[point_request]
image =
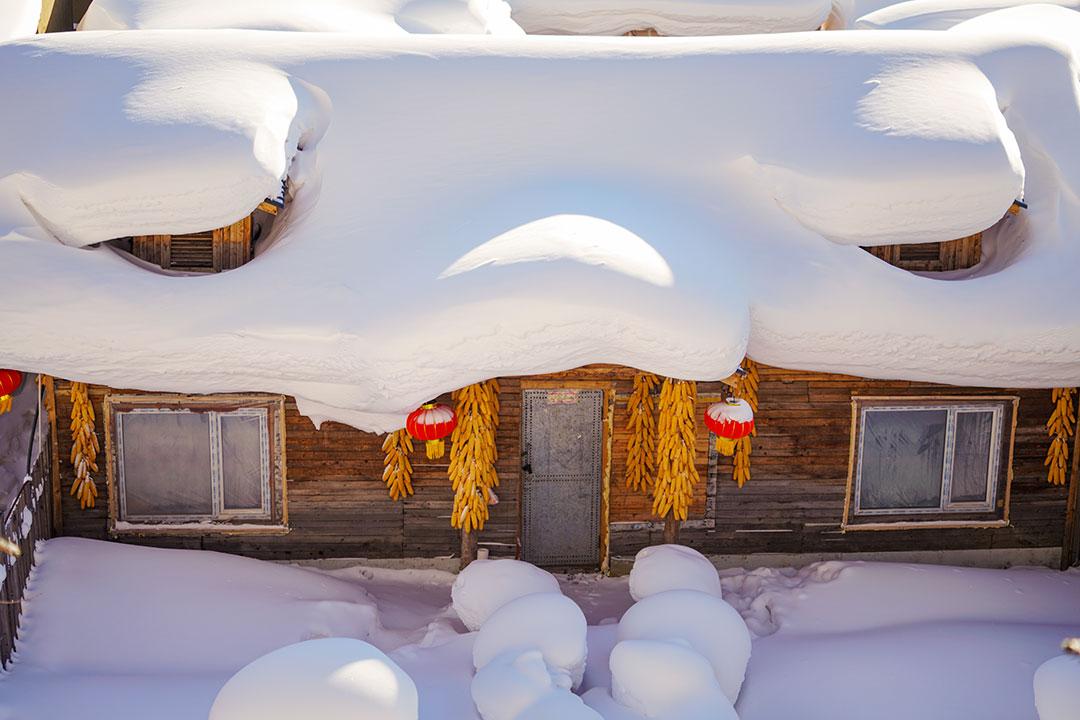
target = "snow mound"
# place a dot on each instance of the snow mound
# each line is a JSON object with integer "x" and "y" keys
{"x": 233, "y": 597}
{"x": 510, "y": 684}
{"x": 19, "y": 18}
{"x": 941, "y": 14}
{"x": 705, "y": 622}
{"x": 549, "y": 622}
{"x": 486, "y": 585}
{"x": 1057, "y": 688}
{"x": 661, "y": 679}
{"x": 328, "y": 679}
{"x": 672, "y": 567}
{"x": 600, "y": 700}
{"x": 560, "y": 706}
{"x": 371, "y": 17}
{"x": 669, "y": 17}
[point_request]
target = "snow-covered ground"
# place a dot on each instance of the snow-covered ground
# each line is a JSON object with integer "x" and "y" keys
{"x": 116, "y": 632}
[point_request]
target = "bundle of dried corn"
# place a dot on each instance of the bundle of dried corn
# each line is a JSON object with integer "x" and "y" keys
{"x": 676, "y": 471}
{"x": 1061, "y": 425}
{"x": 748, "y": 391}
{"x": 473, "y": 454}
{"x": 84, "y": 446}
{"x": 641, "y": 447}
{"x": 397, "y": 470}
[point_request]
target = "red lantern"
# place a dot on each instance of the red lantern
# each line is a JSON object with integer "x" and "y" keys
{"x": 432, "y": 422}
{"x": 10, "y": 380}
{"x": 730, "y": 421}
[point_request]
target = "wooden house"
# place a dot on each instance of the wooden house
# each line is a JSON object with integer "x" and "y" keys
{"x": 839, "y": 465}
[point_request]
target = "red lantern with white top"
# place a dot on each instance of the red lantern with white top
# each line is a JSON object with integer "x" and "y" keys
{"x": 730, "y": 421}
{"x": 431, "y": 422}
{"x": 10, "y": 380}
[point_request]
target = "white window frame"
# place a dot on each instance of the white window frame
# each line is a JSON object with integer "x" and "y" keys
{"x": 946, "y": 506}
{"x": 218, "y": 510}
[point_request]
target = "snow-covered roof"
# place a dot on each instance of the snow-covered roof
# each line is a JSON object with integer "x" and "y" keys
{"x": 371, "y": 17}
{"x": 577, "y": 17}
{"x": 464, "y": 209}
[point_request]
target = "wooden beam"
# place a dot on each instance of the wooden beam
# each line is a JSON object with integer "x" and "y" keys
{"x": 156, "y": 249}
{"x": 232, "y": 245}
{"x": 1070, "y": 543}
{"x": 56, "y": 487}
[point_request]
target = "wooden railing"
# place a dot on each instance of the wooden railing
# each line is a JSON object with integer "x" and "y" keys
{"x": 28, "y": 520}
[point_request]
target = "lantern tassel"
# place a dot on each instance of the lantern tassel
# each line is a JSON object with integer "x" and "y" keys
{"x": 725, "y": 446}
{"x": 435, "y": 449}
{"x": 5, "y": 404}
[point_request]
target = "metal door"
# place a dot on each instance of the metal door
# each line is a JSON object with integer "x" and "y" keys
{"x": 561, "y": 476}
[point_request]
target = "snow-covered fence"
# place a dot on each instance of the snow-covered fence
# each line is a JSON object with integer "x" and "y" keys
{"x": 28, "y": 520}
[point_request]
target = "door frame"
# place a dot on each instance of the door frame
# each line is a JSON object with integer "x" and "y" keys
{"x": 607, "y": 421}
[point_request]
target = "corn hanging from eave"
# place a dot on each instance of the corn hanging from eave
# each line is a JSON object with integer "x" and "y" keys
{"x": 84, "y": 446}
{"x": 641, "y": 422}
{"x": 1061, "y": 426}
{"x": 677, "y": 472}
{"x": 397, "y": 469}
{"x": 748, "y": 391}
{"x": 473, "y": 454}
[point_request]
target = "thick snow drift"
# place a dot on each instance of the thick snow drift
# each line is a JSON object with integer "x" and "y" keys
{"x": 941, "y": 14}
{"x": 548, "y": 622}
{"x": 669, "y": 17}
{"x": 451, "y": 221}
{"x": 19, "y": 18}
{"x": 1057, "y": 688}
{"x": 486, "y": 585}
{"x": 328, "y": 679}
{"x": 371, "y": 17}
{"x": 672, "y": 567}
{"x": 704, "y": 622}
{"x": 111, "y": 631}
{"x": 667, "y": 680}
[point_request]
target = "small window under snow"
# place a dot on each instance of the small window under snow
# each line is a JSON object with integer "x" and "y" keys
{"x": 189, "y": 462}
{"x": 930, "y": 460}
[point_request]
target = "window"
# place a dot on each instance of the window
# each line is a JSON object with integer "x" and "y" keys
{"x": 183, "y": 461}
{"x": 930, "y": 460}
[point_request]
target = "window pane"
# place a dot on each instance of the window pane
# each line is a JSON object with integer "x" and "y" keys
{"x": 903, "y": 452}
{"x": 241, "y": 461}
{"x": 971, "y": 464}
{"x": 167, "y": 463}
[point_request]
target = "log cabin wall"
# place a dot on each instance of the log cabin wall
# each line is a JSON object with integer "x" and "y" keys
{"x": 338, "y": 504}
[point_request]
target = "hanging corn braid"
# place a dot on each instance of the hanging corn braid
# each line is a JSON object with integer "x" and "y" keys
{"x": 84, "y": 446}
{"x": 1061, "y": 426}
{"x": 397, "y": 469}
{"x": 641, "y": 422}
{"x": 677, "y": 472}
{"x": 473, "y": 454}
{"x": 748, "y": 391}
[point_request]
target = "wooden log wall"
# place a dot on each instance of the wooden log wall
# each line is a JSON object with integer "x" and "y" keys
{"x": 794, "y": 500}
{"x": 338, "y": 504}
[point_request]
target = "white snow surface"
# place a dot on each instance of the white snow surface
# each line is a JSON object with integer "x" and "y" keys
{"x": 941, "y": 14}
{"x": 549, "y": 622}
{"x": 705, "y": 623}
{"x": 669, "y": 17}
{"x": 112, "y": 632}
{"x": 512, "y": 683}
{"x": 486, "y": 585}
{"x": 18, "y": 18}
{"x": 370, "y": 17}
{"x": 450, "y": 223}
{"x": 659, "y": 568}
{"x": 328, "y": 679}
{"x": 1057, "y": 688}
{"x": 658, "y": 679}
